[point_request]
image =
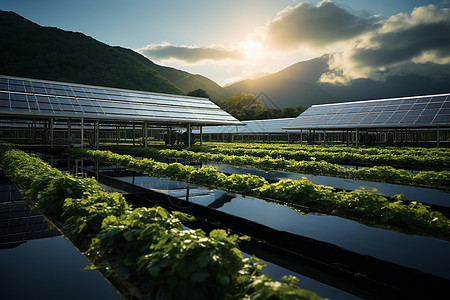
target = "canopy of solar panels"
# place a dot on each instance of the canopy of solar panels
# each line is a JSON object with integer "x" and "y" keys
{"x": 31, "y": 98}
{"x": 408, "y": 112}
{"x": 251, "y": 127}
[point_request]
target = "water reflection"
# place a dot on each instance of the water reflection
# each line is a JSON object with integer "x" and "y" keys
{"x": 424, "y": 195}
{"x": 392, "y": 246}
{"x": 36, "y": 263}
{"x": 19, "y": 223}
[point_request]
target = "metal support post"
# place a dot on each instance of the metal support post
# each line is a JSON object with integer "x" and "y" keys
{"x": 189, "y": 135}
{"x": 69, "y": 132}
{"x": 437, "y": 137}
{"x": 51, "y": 132}
{"x": 82, "y": 132}
{"x": 357, "y": 137}
{"x": 145, "y": 135}
{"x": 134, "y": 134}
{"x": 96, "y": 134}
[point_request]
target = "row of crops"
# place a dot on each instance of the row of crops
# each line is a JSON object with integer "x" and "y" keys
{"x": 337, "y": 148}
{"x": 364, "y": 206}
{"x": 147, "y": 249}
{"x": 155, "y": 249}
{"x": 435, "y": 179}
{"x": 407, "y": 158}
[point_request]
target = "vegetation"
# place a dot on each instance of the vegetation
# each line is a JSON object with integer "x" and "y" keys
{"x": 405, "y": 158}
{"x": 247, "y": 107}
{"x": 29, "y": 50}
{"x": 198, "y": 93}
{"x": 378, "y": 173}
{"x": 364, "y": 206}
{"x": 146, "y": 247}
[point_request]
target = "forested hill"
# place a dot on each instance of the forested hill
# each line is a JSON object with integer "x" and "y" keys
{"x": 30, "y": 50}
{"x": 183, "y": 80}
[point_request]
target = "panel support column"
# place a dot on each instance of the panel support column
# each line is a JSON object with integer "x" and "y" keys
{"x": 134, "y": 134}
{"x": 437, "y": 137}
{"x": 357, "y": 137}
{"x": 96, "y": 134}
{"x": 51, "y": 132}
{"x": 301, "y": 137}
{"x": 189, "y": 135}
{"x": 82, "y": 132}
{"x": 145, "y": 135}
{"x": 201, "y": 135}
{"x": 169, "y": 135}
{"x": 69, "y": 132}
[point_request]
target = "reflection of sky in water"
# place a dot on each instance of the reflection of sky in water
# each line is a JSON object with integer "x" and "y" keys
{"x": 50, "y": 269}
{"x": 412, "y": 193}
{"x": 323, "y": 290}
{"x": 427, "y": 254}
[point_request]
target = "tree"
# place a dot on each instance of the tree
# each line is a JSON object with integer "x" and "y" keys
{"x": 247, "y": 107}
{"x": 198, "y": 93}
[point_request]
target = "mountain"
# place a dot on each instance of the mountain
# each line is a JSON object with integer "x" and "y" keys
{"x": 290, "y": 87}
{"x": 30, "y": 50}
{"x": 298, "y": 85}
{"x": 193, "y": 82}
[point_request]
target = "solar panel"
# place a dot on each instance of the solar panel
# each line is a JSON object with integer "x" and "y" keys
{"x": 47, "y": 98}
{"x": 251, "y": 127}
{"x": 433, "y": 110}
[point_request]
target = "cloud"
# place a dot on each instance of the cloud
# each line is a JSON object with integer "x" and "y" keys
{"x": 315, "y": 26}
{"x": 187, "y": 54}
{"x": 404, "y": 44}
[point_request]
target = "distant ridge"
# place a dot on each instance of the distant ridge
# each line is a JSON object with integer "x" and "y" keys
{"x": 30, "y": 50}
{"x": 298, "y": 85}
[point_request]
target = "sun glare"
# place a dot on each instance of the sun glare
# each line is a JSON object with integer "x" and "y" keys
{"x": 254, "y": 50}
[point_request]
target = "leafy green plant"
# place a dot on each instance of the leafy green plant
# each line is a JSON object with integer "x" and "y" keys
{"x": 377, "y": 173}
{"x": 148, "y": 247}
{"x": 364, "y": 206}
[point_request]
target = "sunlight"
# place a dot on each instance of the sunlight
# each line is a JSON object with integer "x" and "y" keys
{"x": 254, "y": 49}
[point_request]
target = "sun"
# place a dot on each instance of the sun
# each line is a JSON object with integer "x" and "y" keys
{"x": 254, "y": 49}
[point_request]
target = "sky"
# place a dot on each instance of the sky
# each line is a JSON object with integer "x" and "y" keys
{"x": 231, "y": 40}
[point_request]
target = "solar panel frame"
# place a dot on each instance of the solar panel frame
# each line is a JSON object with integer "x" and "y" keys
{"x": 57, "y": 99}
{"x": 417, "y": 111}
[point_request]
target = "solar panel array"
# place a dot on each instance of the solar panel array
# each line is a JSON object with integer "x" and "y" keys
{"x": 252, "y": 127}
{"x": 30, "y": 97}
{"x": 422, "y": 111}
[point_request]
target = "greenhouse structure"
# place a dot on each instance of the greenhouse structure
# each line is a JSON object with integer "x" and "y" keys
{"x": 69, "y": 114}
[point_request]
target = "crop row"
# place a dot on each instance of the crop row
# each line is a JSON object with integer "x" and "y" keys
{"x": 339, "y": 148}
{"x": 364, "y": 206}
{"x": 146, "y": 246}
{"x": 406, "y": 161}
{"x": 378, "y": 173}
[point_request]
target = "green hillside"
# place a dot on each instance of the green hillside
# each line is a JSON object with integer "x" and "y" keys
{"x": 193, "y": 82}
{"x": 30, "y": 50}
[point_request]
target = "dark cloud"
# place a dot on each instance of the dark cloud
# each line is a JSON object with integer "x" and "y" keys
{"x": 186, "y": 53}
{"x": 315, "y": 25}
{"x": 405, "y": 44}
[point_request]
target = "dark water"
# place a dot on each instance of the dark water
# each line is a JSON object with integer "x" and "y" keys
{"x": 50, "y": 268}
{"x": 323, "y": 290}
{"x": 37, "y": 263}
{"x": 419, "y": 194}
{"x": 426, "y": 254}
